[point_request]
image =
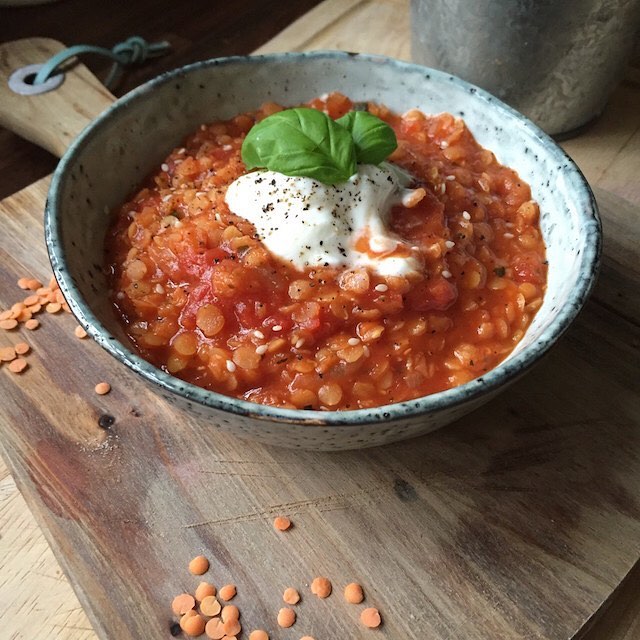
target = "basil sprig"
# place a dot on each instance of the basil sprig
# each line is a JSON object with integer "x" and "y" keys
{"x": 306, "y": 142}
{"x": 374, "y": 139}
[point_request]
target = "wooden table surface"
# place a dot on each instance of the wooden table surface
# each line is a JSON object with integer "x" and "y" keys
{"x": 33, "y": 590}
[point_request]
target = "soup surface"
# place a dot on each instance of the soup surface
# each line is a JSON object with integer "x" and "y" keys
{"x": 201, "y": 297}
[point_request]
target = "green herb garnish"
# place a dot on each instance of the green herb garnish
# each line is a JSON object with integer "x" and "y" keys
{"x": 375, "y": 140}
{"x": 306, "y": 142}
{"x": 301, "y": 142}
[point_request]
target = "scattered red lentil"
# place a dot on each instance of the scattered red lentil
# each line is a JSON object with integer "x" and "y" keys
{"x": 370, "y": 617}
{"x": 49, "y": 297}
{"x": 33, "y": 284}
{"x": 223, "y": 622}
{"x": 291, "y": 596}
{"x": 210, "y": 606}
{"x": 321, "y": 587}
{"x": 215, "y": 629}
{"x": 183, "y": 603}
{"x": 24, "y": 315}
{"x": 7, "y": 325}
{"x": 232, "y": 627}
{"x": 194, "y": 625}
{"x": 286, "y": 617}
{"x": 18, "y": 365}
{"x": 199, "y": 564}
{"x": 80, "y": 332}
{"x": 282, "y": 523}
{"x": 353, "y": 593}
{"x": 227, "y": 592}
{"x": 22, "y": 348}
{"x": 230, "y": 612}
{"x": 204, "y": 589}
{"x": 186, "y": 616}
{"x": 102, "y": 388}
{"x": 7, "y": 354}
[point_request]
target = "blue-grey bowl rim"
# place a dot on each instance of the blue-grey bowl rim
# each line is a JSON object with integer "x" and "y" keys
{"x": 503, "y": 374}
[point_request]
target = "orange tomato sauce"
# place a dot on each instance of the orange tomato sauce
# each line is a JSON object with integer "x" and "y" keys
{"x": 201, "y": 297}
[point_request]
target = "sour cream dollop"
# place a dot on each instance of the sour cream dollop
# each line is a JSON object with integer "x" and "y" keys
{"x": 311, "y": 224}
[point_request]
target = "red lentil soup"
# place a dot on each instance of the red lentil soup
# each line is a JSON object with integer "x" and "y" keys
{"x": 203, "y": 299}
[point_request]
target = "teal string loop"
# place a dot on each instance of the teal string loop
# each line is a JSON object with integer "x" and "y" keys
{"x": 134, "y": 50}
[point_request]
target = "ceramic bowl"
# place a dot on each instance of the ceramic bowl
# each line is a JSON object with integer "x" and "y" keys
{"x": 113, "y": 155}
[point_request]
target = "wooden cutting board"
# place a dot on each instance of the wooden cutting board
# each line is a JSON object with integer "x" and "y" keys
{"x": 517, "y": 522}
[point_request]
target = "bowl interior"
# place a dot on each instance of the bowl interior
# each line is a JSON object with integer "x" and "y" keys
{"x": 116, "y": 152}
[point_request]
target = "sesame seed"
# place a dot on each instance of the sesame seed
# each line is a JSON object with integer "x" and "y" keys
{"x": 164, "y": 166}
{"x": 276, "y": 328}
{"x": 353, "y": 341}
{"x": 231, "y": 366}
{"x": 182, "y": 150}
{"x": 159, "y": 288}
{"x": 367, "y": 351}
{"x": 450, "y": 178}
{"x": 446, "y": 274}
{"x": 508, "y": 235}
{"x": 381, "y": 287}
{"x": 258, "y": 334}
{"x": 227, "y": 147}
{"x": 299, "y": 343}
{"x": 443, "y": 188}
{"x": 261, "y": 349}
{"x": 449, "y": 244}
{"x": 167, "y": 197}
{"x": 444, "y": 144}
{"x": 466, "y": 215}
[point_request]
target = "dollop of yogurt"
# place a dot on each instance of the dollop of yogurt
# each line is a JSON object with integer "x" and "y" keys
{"x": 312, "y": 224}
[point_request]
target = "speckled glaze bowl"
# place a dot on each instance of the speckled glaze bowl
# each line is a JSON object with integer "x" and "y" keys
{"x": 112, "y": 156}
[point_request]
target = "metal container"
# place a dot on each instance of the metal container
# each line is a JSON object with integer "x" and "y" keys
{"x": 555, "y": 61}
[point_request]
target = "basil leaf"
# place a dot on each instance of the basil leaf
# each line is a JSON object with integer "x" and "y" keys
{"x": 301, "y": 142}
{"x": 375, "y": 140}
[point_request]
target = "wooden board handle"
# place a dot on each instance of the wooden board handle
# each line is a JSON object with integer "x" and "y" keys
{"x": 53, "y": 119}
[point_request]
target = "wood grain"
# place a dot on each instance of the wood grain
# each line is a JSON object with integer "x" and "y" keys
{"x": 365, "y": 26}
{"x": 32, "y": 583}
{"x": 197, "y": 30}
{"x": 519, "y": 522}
{"x": 52, "y": 120}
